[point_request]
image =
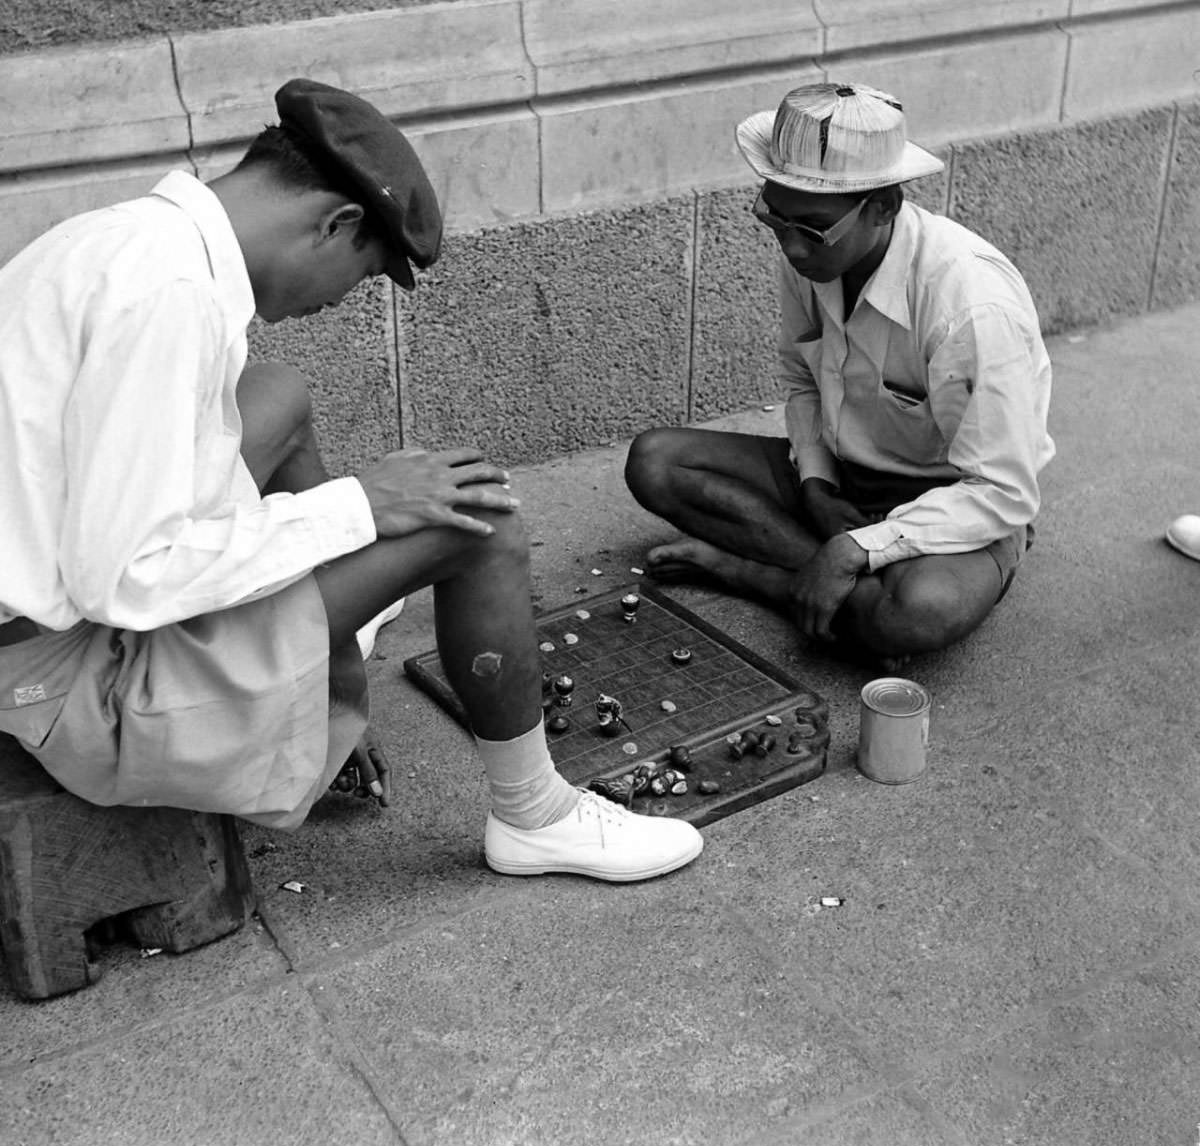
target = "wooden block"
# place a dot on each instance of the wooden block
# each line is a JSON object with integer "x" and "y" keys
{"x": 177, "y": 878}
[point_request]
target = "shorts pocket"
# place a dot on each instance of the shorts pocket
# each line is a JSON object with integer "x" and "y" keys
{"x": 32, "y": 722}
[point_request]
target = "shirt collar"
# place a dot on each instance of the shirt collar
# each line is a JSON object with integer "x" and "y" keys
{"x": 887, "y": 290}
{"x": 225, "y": 258}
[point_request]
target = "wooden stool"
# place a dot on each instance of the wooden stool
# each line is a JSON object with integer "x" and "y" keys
{"x": 178, "y": 879}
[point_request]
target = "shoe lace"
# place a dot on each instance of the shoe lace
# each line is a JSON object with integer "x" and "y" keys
{"x": 605, "y": 811}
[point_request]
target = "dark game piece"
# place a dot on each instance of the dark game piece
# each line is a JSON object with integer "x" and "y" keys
{"x": 725, "y": 689}
{"x": 629, "y": 607}
{"x": 618, "y": 789}
{"x": 558, "y": 723}
{"x": 681, "y": 656}
{"x": 708, "y": 787}
{"x": 681, "y": 757}
{"x": 564, "y": 686}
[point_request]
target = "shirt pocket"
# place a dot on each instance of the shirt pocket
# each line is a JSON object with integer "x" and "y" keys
{"x": 903, "y": 427}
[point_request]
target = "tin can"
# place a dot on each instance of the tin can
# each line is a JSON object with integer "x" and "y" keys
{"x": 893, "y": 730}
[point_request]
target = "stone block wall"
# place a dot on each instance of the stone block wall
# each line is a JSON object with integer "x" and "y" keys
{"x": 601, "y": 272}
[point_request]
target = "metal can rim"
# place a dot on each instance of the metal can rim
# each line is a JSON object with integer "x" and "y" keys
{"x": 920, "y": 695}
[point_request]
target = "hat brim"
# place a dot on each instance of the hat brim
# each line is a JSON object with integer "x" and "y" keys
{"x": 754, "y": 142}
{"x": 399, "y": 270}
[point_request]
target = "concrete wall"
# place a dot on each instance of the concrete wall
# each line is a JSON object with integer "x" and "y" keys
{"x": 601, "y": 273}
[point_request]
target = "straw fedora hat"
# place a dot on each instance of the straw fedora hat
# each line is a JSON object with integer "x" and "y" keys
{"x": 833, "y": 138}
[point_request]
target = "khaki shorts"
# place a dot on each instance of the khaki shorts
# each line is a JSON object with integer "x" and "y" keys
{"x": 227, "y": 712}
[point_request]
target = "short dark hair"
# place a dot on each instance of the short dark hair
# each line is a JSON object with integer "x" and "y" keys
{"x": 294, "y": 165}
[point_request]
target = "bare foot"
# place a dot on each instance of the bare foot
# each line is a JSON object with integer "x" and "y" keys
{"x": 691, "y": 560}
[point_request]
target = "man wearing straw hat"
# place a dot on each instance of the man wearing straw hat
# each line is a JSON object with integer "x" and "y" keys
{"x": 182, "y": 583}
{"x": 894, "y": 514}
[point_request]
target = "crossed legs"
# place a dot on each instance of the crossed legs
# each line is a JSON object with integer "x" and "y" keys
{"x": 744, "y": 527}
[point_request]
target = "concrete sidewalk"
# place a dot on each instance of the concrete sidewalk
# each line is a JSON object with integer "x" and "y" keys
{"x": 1017, "y": 960}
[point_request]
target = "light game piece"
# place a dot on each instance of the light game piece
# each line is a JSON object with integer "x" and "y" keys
{"x": 570, "y": 639}
{"x": 547, "y": 646}
{"x": 667, "y": 705}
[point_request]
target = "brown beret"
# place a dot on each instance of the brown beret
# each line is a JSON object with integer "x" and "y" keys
{"x": 369, "y": 158}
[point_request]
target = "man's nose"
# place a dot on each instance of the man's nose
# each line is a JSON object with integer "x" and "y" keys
{"x": 796, "y": 247}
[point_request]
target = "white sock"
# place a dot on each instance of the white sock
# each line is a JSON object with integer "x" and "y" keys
{"x": 527, "y": 790}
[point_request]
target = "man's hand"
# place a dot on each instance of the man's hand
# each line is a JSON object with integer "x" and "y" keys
{"x": 410, "y": 490}
{"x": 819, "y": 589}
{"x": 827, "y": 513}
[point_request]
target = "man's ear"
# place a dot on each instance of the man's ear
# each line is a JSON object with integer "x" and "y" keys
{"x": 884, "y": 206}
{"x": 345, "y": 217}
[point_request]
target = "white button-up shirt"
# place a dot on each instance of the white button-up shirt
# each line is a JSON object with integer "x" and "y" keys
{"x": 939, "y": 371}
{"x": 124, "y": 498}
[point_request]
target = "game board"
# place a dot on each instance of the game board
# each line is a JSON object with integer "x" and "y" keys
{"x": 723, "y": 690}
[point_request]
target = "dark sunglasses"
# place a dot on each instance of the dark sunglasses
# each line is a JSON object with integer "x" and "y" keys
{"x": 821, "y": 237}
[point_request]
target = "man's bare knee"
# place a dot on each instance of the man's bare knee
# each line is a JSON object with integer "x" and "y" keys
{"x": 649, "y": 462}
{"x": 929, "y": 611}
{"x": 276, "y": 412}
{"x": 274, "y": 393}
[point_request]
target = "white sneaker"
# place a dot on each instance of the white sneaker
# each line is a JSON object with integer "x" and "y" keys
{"x": 1184, "y": 534}
{"x": 366, "y": 635}
{"x": 599, "y": 839}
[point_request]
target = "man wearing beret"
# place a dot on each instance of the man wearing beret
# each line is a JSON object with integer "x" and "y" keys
{"x": 893, "y": 515}
{"x": 183, "y": 584}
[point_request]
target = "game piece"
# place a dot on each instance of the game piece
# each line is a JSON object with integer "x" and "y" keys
{"x": 547, "y": 646}
{"x": 667, "y": 705}
{"x": 563, "y": 687}
{"x": 680, "y": 757}
{"x": 558, "y": 723}
{"x": 629, "y": 607}
{"x": 618, "y": 790}
{"x": 570, "y": 639}
{"x": 608, "y": 713}
{"x": 681, "y": 656}
{"x": 582, "y": 614}
{"x": 773, "y": 720}
{"x": 629, "y": 748}
{"x": 708, "y": 787}
{"x": 679, "y": 788}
